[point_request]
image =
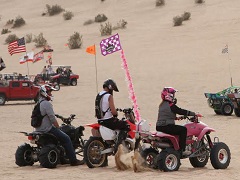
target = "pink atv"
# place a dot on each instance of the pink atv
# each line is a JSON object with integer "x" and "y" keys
{"x": 163, "y": 149}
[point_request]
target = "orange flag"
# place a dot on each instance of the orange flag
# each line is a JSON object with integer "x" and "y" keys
{"x": 91, "y": 49}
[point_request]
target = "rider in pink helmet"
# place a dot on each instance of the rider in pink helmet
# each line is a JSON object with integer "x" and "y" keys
{"x": 167, "y": 115}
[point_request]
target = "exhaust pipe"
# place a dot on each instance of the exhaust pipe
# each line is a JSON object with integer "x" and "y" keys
{"x": 161, "y": 144}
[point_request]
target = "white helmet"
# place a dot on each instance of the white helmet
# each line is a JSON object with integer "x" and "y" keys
{"x": 46, "y": 91}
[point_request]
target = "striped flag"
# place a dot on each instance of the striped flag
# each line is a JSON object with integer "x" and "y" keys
{"x": 17, "y": 46}
{"x": 110, "y": 45}
{"x": 225, "y": 50}
{"x": 37, "y": 57}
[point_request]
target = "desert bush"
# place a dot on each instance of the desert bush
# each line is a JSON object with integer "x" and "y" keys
{"x": 10, "y": 22}
{"x": 11, "y": 38}
{"x": 28, "y": 38}
{"x": 40, "y": 41}
{"x": 177, "y": 21}
{"x": 90, "y": 21}
{"x": 199, "y": 1}
{"x": 67, "y": 15}
{"x": 75, "y": 41}
{"x": 106, "y": 29}
{"x": 101, "y": 18}
{"x": 160, "y": 2}
{"x": 186, "y": 16}
{"x": 18, "y": 22}
{"x": 120, "y": 25}
{"x": 54, "y": 9}
{"x": 5, "y": 31}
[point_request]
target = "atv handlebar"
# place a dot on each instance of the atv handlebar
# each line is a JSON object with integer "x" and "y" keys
{"x": 66, "y": 120}
{"x": 192, "y": 118}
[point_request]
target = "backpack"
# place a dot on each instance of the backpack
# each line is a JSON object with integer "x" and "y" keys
{"x": 98, "y": 108}
{"x": 36, "y": 118}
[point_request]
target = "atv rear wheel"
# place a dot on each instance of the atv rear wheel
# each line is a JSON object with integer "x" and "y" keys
{"x": 227, "y": 109}
{"x": 23, "y": 155}
{"x": 168, "y": 160}
{"x": 237, "y": 112}
{"x": 220, "y": 156}
{"x": 92, "y": 153}
{"x": 149, "y": 155}
{"x": 49, "y": 156}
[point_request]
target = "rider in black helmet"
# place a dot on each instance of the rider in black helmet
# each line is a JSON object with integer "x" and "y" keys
{"x": 106, "y": 111}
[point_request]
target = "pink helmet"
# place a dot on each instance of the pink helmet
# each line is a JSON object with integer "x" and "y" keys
{"x": 168, "y": 94}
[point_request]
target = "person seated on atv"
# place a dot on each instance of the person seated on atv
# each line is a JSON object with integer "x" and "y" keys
{"x": 107, "y": 113}
{"x": 167, "y": 115}
{"x": 50, "y": 124}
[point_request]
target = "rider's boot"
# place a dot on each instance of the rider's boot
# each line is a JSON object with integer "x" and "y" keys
{"x": 121, "y": 136}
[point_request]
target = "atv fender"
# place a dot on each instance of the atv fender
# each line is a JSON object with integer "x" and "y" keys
{"x": 173, "y": 139}
{"x": 204, "y": 131}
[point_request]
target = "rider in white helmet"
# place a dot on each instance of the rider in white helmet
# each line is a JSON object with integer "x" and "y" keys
{"x": 50, "y": 124}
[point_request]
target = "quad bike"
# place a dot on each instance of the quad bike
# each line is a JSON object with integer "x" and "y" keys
{"x": 104, "y": 141}
{"x": 163, "y": 149}
{"x": 48, "y": 149}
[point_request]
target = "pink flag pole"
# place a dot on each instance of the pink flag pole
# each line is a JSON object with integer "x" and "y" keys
{"x": 130, "y": 87}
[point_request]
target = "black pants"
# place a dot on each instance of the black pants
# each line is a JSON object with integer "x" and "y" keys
{"x": 114, "y": 123}
{"x": 175, "y": 130}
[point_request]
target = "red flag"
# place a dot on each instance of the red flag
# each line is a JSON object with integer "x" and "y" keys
{"x": 91, "y": 49}
{"x": 37, "y": 57}
{"x": 17, "y": 46}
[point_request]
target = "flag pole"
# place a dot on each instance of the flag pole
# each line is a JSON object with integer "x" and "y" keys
{"x": 96, "y": 69}
{"x": 229, "y": 66}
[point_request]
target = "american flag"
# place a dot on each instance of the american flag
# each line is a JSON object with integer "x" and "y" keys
{"x": 37, "y": 57}
{"x": 110, "y": 45}
{"x": 17, "y": 46}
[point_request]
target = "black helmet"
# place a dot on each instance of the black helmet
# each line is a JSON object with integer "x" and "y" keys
{"x": 111, "y": 85}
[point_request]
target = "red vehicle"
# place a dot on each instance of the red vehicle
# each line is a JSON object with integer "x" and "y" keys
{"x": 14, "y": 90}
{"x": 103, "y": 141}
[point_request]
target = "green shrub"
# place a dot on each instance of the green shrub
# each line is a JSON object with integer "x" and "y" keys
{"x": 75, "y": 41}
{"x": 90, "y": 21}
{"x": 54, "y": 9}
{"x": 10, "y": 22}
{"x": 106, "y": 29}
{"x": 40, "y": 41}
{"x": 67, "y": 15}
{"x": 101, "y": 18}
{"x": 28, "y": 38}
{"x": 186, "y": 16}
{"x": 160, "y": 2}
{"x": 11, "y": 38}
{"x": 199, "y": 1}
{"x": 120, "y": 25}
{"x": 5, "y": 31}
{"x": 19, "y": 21}
{"x": 177, "y": 21}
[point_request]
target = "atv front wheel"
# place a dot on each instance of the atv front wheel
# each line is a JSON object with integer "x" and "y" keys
{"x": 168, "y": 160}
{"x": 237, "y": 112}
{"x": 23, "y": 155}
{"x": 74, "y": 82}
{"x": 220, "y": 156}
{"x": 149, "y": 155}
{"x": 49, "y": 156}
{"x": 92, "y": 153}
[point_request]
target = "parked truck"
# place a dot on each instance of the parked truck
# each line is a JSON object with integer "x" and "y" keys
{"x": 15, "y": 90}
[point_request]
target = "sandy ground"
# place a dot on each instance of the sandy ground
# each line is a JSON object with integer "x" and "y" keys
{"x": 188, "y": 58}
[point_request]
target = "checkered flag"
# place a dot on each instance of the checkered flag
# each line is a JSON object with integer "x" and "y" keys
{"x": 225, "y": 50}
{"x": 110, "y": 45}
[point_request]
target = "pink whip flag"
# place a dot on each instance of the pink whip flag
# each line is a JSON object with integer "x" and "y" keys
{"x": 110, "y": 45}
